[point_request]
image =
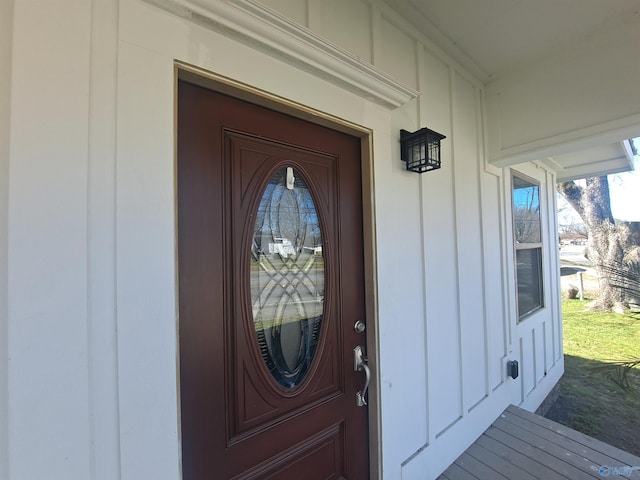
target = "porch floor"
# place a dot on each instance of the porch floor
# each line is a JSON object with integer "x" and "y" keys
{"x": 520, "y": 445}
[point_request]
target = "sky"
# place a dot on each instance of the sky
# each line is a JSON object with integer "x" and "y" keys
{"x": 624, "y": 189}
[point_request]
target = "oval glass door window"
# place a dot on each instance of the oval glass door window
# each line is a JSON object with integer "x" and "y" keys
{"x": 287, "y": 277}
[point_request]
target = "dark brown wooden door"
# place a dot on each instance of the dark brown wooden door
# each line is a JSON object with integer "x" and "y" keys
{"x": 270, "y": 253}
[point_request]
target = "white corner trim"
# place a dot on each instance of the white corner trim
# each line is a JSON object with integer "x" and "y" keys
{"x": 253, "y": 23}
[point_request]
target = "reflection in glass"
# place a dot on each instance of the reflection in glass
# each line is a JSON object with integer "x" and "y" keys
{"x": 526, "y": 211}
{"x": 527, "y": 232}
{"x": 529, "y": 278}
{"x": 287, "y": 277}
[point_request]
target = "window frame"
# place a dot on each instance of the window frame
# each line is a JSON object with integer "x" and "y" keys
{"x": 530, "y": 247}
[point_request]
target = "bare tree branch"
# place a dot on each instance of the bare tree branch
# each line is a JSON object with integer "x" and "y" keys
{"x": 572, "y": 194}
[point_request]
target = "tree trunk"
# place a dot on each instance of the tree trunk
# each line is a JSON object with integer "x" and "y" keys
{"x": 608, "y": 244}
{"x": 604, "y": 242}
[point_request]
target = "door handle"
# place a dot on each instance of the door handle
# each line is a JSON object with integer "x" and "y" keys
{"x": 360, "y": 364}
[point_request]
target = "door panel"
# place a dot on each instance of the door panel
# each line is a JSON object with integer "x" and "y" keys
{"x": 270, "y": 286}
{"x": 259, "y": 399}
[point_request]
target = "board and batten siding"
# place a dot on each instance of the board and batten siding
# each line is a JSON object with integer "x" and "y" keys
{"x": 100, "y": 202}
{"x": 445, "y": 234}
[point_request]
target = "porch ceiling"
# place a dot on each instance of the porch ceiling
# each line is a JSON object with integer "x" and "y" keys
{"x": 494, "y": 38}
{"x": 611, "y": 158}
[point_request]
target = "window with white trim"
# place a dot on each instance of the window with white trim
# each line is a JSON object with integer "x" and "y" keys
{"x": 527, "y": 236}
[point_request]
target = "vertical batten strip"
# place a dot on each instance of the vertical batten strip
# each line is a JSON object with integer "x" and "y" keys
{"x": 497, "y": 352}
{"x": 535, "y": 355}
{"x": 506, "y": 299}
{"x": 6, "y": 43}
{"x": 522, "y": 370}
{"x": 376, "y": 35}
{"x": 307, "y": 7}
{"x": 314, "y": 16}
{"x": 556, "y": 315}
{"x": 488, "y": 347}
{"x": 423, "y": 235}
{"x": 456, "y": 236}
{"x": 510, "y": 293}
{"x": 101, "y": 221}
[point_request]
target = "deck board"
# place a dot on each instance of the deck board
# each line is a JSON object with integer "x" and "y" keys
{"x": 612, "y": 452}
{"x": 498, "y": 462}
{"x": 455, "y": 472}
{"x": 520, "y": 445}
{"x": 519, "y": 459}
{"x": 552, "y": 438}
{"x": 559, "y": 457}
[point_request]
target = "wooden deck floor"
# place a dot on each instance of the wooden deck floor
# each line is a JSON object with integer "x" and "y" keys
{"x": 520, "y": 445}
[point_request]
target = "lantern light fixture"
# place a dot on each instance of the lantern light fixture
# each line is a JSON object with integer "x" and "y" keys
{"x": 420, "y": 149}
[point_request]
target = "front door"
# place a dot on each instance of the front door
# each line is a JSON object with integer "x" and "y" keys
{"x": 270, "y": 253}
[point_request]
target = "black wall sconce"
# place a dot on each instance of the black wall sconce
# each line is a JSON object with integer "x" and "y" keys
{"x": 420, "y": 149}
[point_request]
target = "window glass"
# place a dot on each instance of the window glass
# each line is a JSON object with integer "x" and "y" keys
{"x": 526, "y": 211}
{"x": 527, "y": 235}
{"x": 529, "y": 271}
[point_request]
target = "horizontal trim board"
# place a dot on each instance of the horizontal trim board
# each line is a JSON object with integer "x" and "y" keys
{"x": 580, "y": 139}
{"x": 253, "y": 23}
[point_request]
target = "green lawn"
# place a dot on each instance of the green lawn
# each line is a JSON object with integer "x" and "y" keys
{"x": 590, "y": 400}
{"x": 599, "y": 335}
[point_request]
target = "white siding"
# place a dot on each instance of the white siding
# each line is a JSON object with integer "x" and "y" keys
{"x": 397, "y": 55}
{"x": 345, "y": 24}
{"x": 49, "y": 424}
{"x": 6, "y": 33}
{"x": 295, "y": 10}
{"x": 98, "y": 185}
{"x": 494, "y": 260}
{"x": 470, "y": 262}
{"x": 440, "y": 255}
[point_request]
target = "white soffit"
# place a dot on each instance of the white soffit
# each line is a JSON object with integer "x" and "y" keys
{"x": 594, "y": 161}
{"x": 495, "y": 37}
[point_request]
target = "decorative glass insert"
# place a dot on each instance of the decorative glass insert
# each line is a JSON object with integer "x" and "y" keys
{"x": 287, "y": 277}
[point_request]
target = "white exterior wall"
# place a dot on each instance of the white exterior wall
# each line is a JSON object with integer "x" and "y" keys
{"x": 91, "y": 295}
{"x": 48, "y": 385}
{"x": 6, "y": 34}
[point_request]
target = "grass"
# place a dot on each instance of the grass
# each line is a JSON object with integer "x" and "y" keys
{"x": 590, "y": 400}
{"x": 599, "y": 336}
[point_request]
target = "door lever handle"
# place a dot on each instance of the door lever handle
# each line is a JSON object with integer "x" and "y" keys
{"x": 360, "y": 364}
